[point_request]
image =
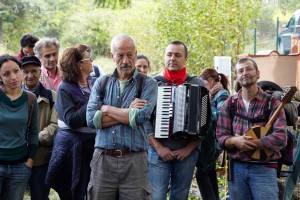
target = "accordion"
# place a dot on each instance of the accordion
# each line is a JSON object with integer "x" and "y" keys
{"x": 182, "y": 109}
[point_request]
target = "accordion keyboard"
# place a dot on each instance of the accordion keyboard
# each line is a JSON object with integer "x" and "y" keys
{"x": 164, "y": 111}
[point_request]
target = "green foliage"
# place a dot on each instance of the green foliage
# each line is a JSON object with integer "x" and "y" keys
{"x": 114, "y": 4}
{"x": 71, "y": 22}
{"x": 265, "y": 24}
{"x": 4, "y": 50}
{"x": 288, "y": 6}
{"x": 138, "y": 22}
{"x": 90, "y": 28}
{"x": 55, "y": 16}
{"x": 14, "y": 15}
{"x": 208, "y": 28}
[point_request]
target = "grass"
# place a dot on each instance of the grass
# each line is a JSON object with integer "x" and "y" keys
{"x": 52, "y": 196}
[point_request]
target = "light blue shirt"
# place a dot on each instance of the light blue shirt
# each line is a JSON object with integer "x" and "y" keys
{"x": 120, "y": 136}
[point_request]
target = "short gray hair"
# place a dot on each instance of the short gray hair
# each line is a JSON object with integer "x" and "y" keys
{"x": 45, "y": 42}
{"x": 123, "y": 37}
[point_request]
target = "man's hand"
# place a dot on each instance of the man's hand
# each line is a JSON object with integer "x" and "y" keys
{"x": 104, "y": 109}
{"x": 138, "y": 103}
{"x": 29, "y": 163}
{"x": 165, "y": 153}
{"x": 181, "y": 154}
{"x": 244, "y": 143}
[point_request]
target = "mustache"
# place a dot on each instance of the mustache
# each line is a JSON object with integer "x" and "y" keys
{"x": 125, "y": 65}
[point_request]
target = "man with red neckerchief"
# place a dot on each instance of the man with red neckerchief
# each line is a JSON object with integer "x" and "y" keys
{"x": 172, "y": 161}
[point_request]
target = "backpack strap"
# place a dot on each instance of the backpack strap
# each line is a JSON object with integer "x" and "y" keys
{"x": 96, "y": 71}
{"x": 266, "y": 113}
{"x": 103, "y": 85}
{"x": 31, "y": 107}
{"x": 140, "y": 84}
{"x": 162, "y": 79}
{"x": 46, "y": 78}
{"x": 268, "y": 108}
{"x": 189, "y": 78}
{"x": 50, "y": 98}
{"x": 232, "y": 107}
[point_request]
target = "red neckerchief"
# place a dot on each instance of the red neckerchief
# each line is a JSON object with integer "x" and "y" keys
{"x": 177, "y": 77}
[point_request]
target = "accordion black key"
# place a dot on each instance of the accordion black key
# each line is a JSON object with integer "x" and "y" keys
{"x": 182, "y": 109}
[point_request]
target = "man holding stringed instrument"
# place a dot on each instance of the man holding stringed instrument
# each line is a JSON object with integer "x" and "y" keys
{"x": 252, "y": 138}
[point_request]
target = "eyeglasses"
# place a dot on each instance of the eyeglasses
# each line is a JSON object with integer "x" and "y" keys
{"x": 33, "y": 72}
{"x": 89, "y": 58}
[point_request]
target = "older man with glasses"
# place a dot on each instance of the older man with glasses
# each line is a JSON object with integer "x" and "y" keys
{"x": 31, "y": 68}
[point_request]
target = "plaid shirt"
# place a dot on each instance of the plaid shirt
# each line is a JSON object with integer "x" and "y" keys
{"x": 123, "y": 136}
{"x": 227, "y": 127}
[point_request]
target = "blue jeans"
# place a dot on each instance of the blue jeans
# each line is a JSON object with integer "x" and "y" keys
{"x": 291, "y": 180}
{"x": 253, "y": 181}
{"x": 38, "y": 189}
{"x": 178, "y": 174}
{"x": 13, "y": 181}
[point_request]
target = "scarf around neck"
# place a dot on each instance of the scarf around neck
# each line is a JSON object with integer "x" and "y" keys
{"x": 177, "y": 77}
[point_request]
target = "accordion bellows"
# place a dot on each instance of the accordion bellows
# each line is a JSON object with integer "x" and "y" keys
{"x": 182, "y": 109}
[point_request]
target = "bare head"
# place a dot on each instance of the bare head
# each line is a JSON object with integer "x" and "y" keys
{"x": 247, "y": 72}
{"x": 142, "y": 64}
{"x": 176, "y": 55}
{"x": 47, "y": 49}
{"x": 124, "y": 53}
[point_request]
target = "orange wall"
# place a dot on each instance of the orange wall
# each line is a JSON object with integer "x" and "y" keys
{"x": 284, "y": 70}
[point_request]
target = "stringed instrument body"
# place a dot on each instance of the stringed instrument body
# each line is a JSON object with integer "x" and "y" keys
{"x": 257, "y": 132}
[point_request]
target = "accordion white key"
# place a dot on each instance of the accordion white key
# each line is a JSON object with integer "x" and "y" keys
{"x": 182, "y": 109}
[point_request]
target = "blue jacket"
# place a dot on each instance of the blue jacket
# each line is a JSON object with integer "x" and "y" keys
{"x": 66, "y": 161}
{"x": 216, "y": 103}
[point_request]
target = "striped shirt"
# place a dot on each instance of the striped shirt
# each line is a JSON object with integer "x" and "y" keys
{"x": 122, "y": 136}
{"x": 275, "y": 141}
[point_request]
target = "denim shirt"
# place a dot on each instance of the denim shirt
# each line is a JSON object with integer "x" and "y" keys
{"x": 122, "y": 136}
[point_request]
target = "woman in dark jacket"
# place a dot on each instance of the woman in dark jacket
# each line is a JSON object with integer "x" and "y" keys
{"x": 69, "y": 170}
{"x": 206, "y": 176}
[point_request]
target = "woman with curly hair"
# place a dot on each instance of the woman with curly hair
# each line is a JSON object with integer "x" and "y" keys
{"x": 69, "y": 170}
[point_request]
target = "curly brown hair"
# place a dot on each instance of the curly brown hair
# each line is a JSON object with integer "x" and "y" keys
{"x": 69, "y": 62}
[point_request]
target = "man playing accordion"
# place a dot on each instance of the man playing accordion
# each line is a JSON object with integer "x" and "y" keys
{"x": 172, "y": 160}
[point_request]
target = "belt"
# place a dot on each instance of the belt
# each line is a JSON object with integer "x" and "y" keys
{"x": 271, "y": 164}
{"x": 117, "y": 153}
